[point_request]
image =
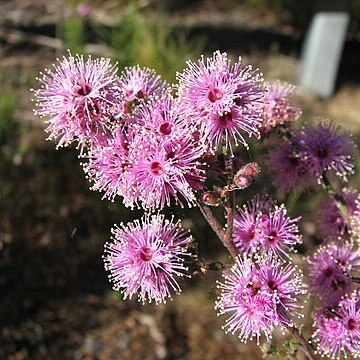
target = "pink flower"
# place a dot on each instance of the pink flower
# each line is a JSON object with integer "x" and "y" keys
{"x": 277, "y": 109}
{"x": 164, "y": 155}
{"x": 221, "y": 98}
{"x": 336, "y": 220}
{"x": 258, "y": 296}
{"x": 338, "y": 328}
{"x": 147, "y": 257}
{"x": 139, "y": 85}
{"x": 262, "y": 226}
{"x": 324, "y": 149}
{"x": 330, "y": 270}
{"x": 78, "y": 97}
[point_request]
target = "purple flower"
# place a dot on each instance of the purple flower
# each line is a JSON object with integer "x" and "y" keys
{"x": 324, "y": 149}
{"x": 287, "y": 166}
{"x": 336, "y": 220}
{"x": 277, "y": 109}
{"x": 161, "y": 170}
{"x": 107, "y": 166}
{"x": 338, "y": 329}
{"x": 247, "y": 232}
{"x": 263, "y": 226}
{"x": 139, "y": 85}
{"x": 146, "y": 257}
{"x": 161, "y": 118}
{"x": 84, "y": 10}
{"x": 330, "y": 270}
{"x": 221, "y": 98}
{"x": 330, "y": 335}
{"x": 78, "y": 96}
{"x": 279, "y": 232}
{"x": 259, "y": 296}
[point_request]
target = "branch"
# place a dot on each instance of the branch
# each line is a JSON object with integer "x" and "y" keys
{"x": 230, "y": 208}
{"x": 218, "y": 229}
{"x": 308, "y": 350}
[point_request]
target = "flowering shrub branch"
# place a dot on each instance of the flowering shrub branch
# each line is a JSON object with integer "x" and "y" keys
{"x": 153, "y": 144}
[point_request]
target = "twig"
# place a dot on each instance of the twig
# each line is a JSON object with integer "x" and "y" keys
{"x": 216, "y": 226}
{"x": 230, "y": 207}
{"x": 13, "y": 36}
{"x": 308, "y": 350}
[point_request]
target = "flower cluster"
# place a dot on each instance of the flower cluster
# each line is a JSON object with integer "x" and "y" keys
{"x": 260, "y": 295}
{"x": 277, "y": 107}
{"x": 336, "y": 220}
{"x": 79, "y": 97}
{"x": 154, "y": 158}
{"x": 154, "y": 144}
{"x": 223, "y": 99}
{"x": 331, "y": 269}
{"x": 146, "y": 257}
{"x": 338, "y": 328}
{"x": 309, "y": 154}
{"x": 261, "y": 225}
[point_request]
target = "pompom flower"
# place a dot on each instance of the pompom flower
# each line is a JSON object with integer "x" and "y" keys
{"x": 263, "y": 226}
{"x": 330, "y": 271}
{"x": 277, "y": 109}
{"x": 288, "y": 168}
{"x": 221, "y": 98}
{"x": 161, "y": 171}
{"x": 258, "y": 296}
{"x": 324, "y": 149}
{"x": 139, "y": 85}
{"x": 78, "y": 97}
{"x": 338, "y": 329}
{"x": 147, "y": 257}
{"x": 107, "y": 165}
{"x": 164, "y": 155}
{"x": 336, "y": 220}
{"x": 151, "y": 160}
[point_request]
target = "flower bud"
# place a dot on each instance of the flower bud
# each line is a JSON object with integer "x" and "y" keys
{"x": 245, "y": 176}
{"x": 211, "y": 198}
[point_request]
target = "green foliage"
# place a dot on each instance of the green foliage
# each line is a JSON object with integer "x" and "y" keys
{"x": 149, "y": 41}
{"x": 7, "y": 123}
{"x": 74, "y": 32}
{"x": 140, "y": 38}
{"x": 291, "y": 347}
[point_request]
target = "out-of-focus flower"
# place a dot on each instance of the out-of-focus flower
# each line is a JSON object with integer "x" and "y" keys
{"x": 147, "y": 257}
{"x": 336, "y": 220}
{"x": 330, "y": 270}
{"x": 78, "y": 97}
{"x": 83, "y": 9}
{"x": 288, "y": 168}
{"x": 221, "y": 98}
{"x": 259, "y": 296}
{"x": 324, "y": 149}
{"x": 277, "y": 108}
